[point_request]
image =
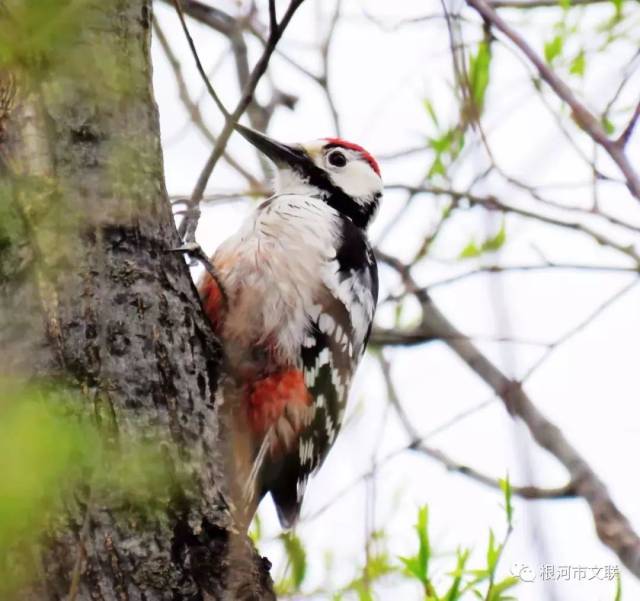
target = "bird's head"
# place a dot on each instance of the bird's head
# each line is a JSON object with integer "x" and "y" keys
{"x": 343, "y": 174}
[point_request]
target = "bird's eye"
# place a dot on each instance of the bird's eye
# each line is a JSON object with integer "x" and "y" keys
{"x": 337, "y": 159}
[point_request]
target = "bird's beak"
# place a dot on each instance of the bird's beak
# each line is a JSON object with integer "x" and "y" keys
{"x": 281, "y": 154}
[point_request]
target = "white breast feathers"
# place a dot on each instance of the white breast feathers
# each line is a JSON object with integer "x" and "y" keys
{"x": 272, "y": 270}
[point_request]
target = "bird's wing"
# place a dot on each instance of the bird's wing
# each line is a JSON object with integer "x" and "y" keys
{"x": 339, "y": 331}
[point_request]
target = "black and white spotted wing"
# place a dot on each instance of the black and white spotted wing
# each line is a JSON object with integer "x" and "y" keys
{"x": 340, "y": 327}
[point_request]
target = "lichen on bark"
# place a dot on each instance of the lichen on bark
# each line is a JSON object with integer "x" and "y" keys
{"x": 92, "y": 295}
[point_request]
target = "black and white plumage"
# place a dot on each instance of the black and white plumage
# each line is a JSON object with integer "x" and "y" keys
{"x": 300, "y": 288}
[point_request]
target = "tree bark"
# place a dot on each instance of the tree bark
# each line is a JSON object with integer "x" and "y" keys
{"x": 91, "y": 294}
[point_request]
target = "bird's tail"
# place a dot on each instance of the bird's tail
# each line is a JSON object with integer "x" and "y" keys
{"x": 251, "y": 486}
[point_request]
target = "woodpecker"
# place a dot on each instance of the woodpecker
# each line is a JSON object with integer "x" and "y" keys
{"x": 293, "y": 302}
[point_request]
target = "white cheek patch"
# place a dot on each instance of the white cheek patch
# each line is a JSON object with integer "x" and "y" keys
{"x": 358, "y": 180}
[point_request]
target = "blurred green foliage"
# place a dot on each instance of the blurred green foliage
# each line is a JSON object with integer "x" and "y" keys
{"x": 38, "y": 449}
{"x": 440, "y": 577}
{"x": 417, "y": 566}
{"x": 297, "y": 564}
{"x": 493, "y": 243}
{"x": 463, "y": 582}
{"x": 53, "y": 457}
{"x": 479, "y": 64}
{"x": 12, "y": 232}
{"x": 425, "y": 567}
{"x": 86, "y": 152}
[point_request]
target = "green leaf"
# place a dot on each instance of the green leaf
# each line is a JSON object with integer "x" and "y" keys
{"x": 618, "y": 596}
{"x": 437, "y": 168}
{"x": 470, "y": 251}
{"x": 480, "y": 575}
{"x": 418, "y": 565}
{"x": 443, "y": 143}
{"x": 297, "y": 557}
{"x": 505, "y": 486}
{"x": 364, "y": 593}
{"x": 609, "y": 128}
{"x": 424, "y": 550}
{"x": 462, "y": 556}
{"x": 428, "y": 105}
{"x": 493, "y": 553}
{"x": 500, "y": 587}
{"x": 447, "y": 144}
{"x": 553, "y": 49}
{"x": 412, "y": 567}
{"x": 578, "y": 64}
{"x": 479, "y": 75}
{"x": 618, "y": 6}
{"x": 491, "y": 244}
{"x": 378, "y": 565}
{"x": 496, "y": 242}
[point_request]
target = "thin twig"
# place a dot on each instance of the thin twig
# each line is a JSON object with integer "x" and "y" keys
{"x": 194, "y": 52}
{"x": 612, "y": 526}
{"x": 526, "y": 492}
{"x": 419, "y": 335}
{"x": 192, "y": 107}
{"x": 190, "y": 222}
{"x": 273, "y": 19}
{"x": 483, "y": 269}
{"x": 601, "y": 308}
{"x": 626, "y": 134}
{"x": 494, "y": 204}
{"x": 529, "y": 4}
{"x": 581, "y": 114}
{"x": 417, "y": 444}
{"x": 324, "y": 80}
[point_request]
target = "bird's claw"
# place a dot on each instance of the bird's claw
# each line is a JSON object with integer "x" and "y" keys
{"x": 187, "y": 247}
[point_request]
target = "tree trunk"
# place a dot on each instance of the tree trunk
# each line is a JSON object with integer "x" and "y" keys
{"x": 91, "y": 294}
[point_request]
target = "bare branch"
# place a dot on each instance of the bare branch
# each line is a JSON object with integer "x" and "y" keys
{"x": 581, "y": 114}
{"x": 208, "y": 15}
{"x": 417, "y": 444}
{"x": 613, "y": 528}
{"x": 580, "y": 326}
{"x": 587, "y": 212}
{"x": 321, "y": 79}
{"x": 551, "y": 493}
{"x": 190, "y": 222}
{"x": 628, "y": 71}
{"x": 201, "y": 70}
{"x": 419, "y": 335}
{"x": 192, "y": 107}
{"x": 494, "y": 204}
{"x": 273, "y": 20}
{"x": 401, "y": 154}
{"x": 529, "y": 4}
{"x": 626, "y": 134}
{"x": 535, "y": 267}
{"x": 325, "y": 48}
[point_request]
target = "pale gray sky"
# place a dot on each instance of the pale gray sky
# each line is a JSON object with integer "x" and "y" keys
{"x": 589, "y": 387}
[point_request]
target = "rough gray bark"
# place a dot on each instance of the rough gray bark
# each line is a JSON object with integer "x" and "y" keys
{"x": 90, "y": 294}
